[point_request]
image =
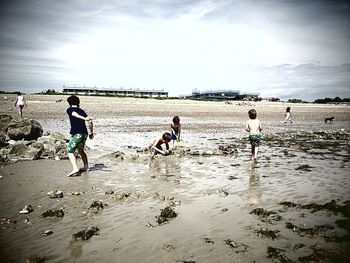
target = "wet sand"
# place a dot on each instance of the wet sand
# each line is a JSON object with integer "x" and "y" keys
{"x": 213, "y": 195}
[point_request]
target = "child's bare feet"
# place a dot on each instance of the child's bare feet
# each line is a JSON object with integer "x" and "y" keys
{"x": 84, "y": 169}
{"x": 74, "y": 173}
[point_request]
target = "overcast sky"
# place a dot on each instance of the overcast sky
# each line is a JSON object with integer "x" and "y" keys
{"x": 282, "y": 48}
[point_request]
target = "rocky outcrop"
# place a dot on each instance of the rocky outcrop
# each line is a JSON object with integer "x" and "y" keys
{"x": 5, "y": 121}
{"x": 2, "y": 138}
{"x": 54, "y": 146}
{"x": 26, "y": 129}
{"x": 25, "y": 152}
{"x": 23, "y": 139}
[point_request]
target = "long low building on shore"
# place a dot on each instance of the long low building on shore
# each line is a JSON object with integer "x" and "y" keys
{"x": 222, "y": 95}
{"x": 116, "y": 92}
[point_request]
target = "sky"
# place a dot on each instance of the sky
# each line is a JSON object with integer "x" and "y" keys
{"x": 277, "y": 48}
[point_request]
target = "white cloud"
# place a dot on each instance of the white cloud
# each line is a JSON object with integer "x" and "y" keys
{"x": 177, "y": 46}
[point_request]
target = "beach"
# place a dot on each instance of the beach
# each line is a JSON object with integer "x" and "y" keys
{"x": 292, "y": 205}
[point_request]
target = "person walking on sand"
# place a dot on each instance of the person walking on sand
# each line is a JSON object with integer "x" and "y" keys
{"x": 20, "y": 104}
{"x": 254, "y": 128}
{"x": 79, "y": 133}
{"x": 288, "y": 115}
{"x": 157, "y": 146}
{"x": 175, "y": 130}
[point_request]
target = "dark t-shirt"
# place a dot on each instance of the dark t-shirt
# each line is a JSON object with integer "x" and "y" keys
{"x": 288, "y": 109}
{"x": 77, "y": 125}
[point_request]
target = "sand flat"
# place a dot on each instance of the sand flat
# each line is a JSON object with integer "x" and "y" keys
{"x": 213, "y": 194}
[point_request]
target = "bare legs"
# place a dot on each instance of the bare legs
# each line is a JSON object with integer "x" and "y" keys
{"x": 255, "y": 150}
{"x": 84, "y": 158}
{"x": 73, "y": 161}
{"x": 20, "y": 112}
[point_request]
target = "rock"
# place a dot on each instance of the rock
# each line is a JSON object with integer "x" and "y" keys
{"x": 27, "y": 129}
{"x": 8, "y": 221}
{"x": 52, "y": 213}
{"x": 62, "y": 154}
{"x": 231, "y": 243}
{"x": 168, "y": 212}
{"x": 109, "y": 192}
{"x": 262, "y": 212}
{"x": 23, "y": 152}
{"x": 76, "y": 193}
{"x": 267, "y": 233}
{"x": 228, "y": 149}
{"x": 161, "y": 220}
{"x": 304, "y": 167}
{"x": 26, "y": 210}
{"x": 55, "y": 194}
{"x": 96, "y": 205}
{"x": 27, "y": 221}
{"x": 46, "y": 233}
{"x": 36, "y": 259}
{"x": 86, "y": 234}
{"x": 5, "y": 121}
{"x": 2, "y": 138}
{"x": 54, "y": 145}
{"x": 117, "y": 155}
{"x": 209, "y": 240}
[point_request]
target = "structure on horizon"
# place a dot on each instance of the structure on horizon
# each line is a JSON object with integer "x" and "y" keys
{"x": 222, "y": 95}
{"x": 117, "y": 92}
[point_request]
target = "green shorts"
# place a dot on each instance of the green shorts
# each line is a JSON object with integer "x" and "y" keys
{"x": 255, "y": 139}
{"x": 76, "y": 142}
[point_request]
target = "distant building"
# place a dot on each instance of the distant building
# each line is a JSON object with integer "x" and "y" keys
{"x": 222, "y": 95}
{"x": 117, "y": 92}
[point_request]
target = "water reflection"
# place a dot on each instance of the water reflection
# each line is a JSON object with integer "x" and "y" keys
{"x": 99, "y": 167}
{"x": 166, "y": 166}
{"x": 254, "y": 191}
{"x": 76, "y": 249}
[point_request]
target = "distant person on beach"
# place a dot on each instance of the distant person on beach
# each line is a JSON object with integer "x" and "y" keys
{"x": 20, "y": 104}
{"x": 175, "y": 129}
{"x": 79, "y": 132}
{"x": 254, "y": 128}
{"x": 157, "y": 146}
{"x": 288, "y": 115}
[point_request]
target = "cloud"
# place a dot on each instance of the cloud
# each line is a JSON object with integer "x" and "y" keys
{"x": 177, "y": 45}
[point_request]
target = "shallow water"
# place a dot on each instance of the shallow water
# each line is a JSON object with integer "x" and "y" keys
{"x": 212, "y": 195}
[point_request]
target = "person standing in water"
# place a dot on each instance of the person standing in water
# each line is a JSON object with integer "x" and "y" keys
{"x": 288, "y": 115}
{"x": 254, "y": 128}
{"x": 20, "y": 104}
{"x": 79, "y": 132}
{"x": 175, "y": 130}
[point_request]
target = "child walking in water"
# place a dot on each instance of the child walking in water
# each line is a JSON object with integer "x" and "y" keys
{"x": 175, "y": 129}
{"x": 254, "y": 128}
{"x": 20, "y": 104}
{"x": 288, "y": 115}
{"x": 79, "y": 132}
{"x": 156, "y": 146}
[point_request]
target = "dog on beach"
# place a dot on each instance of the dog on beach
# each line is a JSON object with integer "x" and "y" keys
{"x": 330, "y": 119}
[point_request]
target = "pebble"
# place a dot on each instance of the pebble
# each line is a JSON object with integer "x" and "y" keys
{"x": 46, "y": 233}
{"x": 55, "y": 194}
{"x": 26, "y": 210}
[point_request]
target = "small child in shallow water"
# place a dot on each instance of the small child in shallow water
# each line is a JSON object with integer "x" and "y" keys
{"x": 254, "y": 128}
{"x": 156, "y": 146}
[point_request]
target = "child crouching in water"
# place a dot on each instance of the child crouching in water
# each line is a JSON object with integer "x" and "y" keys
{"x": 156, "y": 146}
{"x": 79, "y": 133}
{"x": 254, "y": 128}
